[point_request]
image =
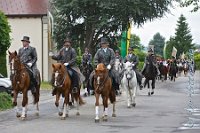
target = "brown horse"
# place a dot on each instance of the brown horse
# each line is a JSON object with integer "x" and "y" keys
{"x": 103, "y": 86}
{"x": 21, "y": 83}
{"x": 62, "y": 83}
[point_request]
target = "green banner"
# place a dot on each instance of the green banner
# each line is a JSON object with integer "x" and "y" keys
{"x": 123, "y": 44}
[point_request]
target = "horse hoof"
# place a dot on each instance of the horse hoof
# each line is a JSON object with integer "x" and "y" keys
{"x": 149, "y": 93}
{"x": 128, "y": 106}
{"x": 22, "y": 118}
{"x": 114, "y": 115}
{"x": 152, "y": 93}
{"x": 63, "y": 118}
{"x": 18, "y": 115}
{"x": 105, "y": 119}
{"x": 77, "y": 113}
{"x": 133, "y": 104}
{"x": 37, "y": 114}
{"x": 60, "y": 113}
{"x": 96, "y": 120}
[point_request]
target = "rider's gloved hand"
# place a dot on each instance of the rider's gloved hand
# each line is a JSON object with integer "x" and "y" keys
{"x": 109, "y": 67}
{"x": 133, "y": 65}
{"x": 88, "y": 62}
{"x": 66, "y": 64}
{"x": 29, "y": 64}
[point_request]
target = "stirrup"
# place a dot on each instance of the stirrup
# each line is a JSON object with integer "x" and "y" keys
{"x": 75, "y": 90}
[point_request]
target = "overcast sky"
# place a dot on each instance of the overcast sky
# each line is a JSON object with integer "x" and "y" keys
{"x": 166, "y": 26}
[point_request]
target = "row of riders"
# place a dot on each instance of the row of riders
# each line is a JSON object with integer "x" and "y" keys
{"x": 67, "y": 78}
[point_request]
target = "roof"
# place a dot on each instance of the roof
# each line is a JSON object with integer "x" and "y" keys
{"x": 24, "y": 7}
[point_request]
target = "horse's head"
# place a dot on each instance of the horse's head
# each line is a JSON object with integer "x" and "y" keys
{"x": 14, "y": 61}
{"x": 100, "y": 72}
{"x": 117, "y": 65}
{"x": 58, "y": 74}
{"x": 128, "y": 70}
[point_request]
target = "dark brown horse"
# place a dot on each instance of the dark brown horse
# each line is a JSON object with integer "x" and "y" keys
{"x": 103, "y": 88}
{"x": 86, "y": 69}
{"x": 62, "y": 83}
{"x": 21, "y": 83}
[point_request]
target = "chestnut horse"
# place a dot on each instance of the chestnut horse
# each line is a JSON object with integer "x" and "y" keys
{"x": 62, "y": 83}
{"x": 21, "y": 83}
{"x": 103, "y": 86}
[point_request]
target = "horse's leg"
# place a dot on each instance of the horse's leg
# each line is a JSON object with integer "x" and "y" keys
{"x": 24, "y": 103}
{"x": 15, "y": 95}
{"x": 57, "y": 104}
{"x": 65, "y": 112}
{"x": 97, "y": 107}
{"x": 105, "y": 105}
{"x": 134, "y": 95}
{"x": 153, "y": 86}
{"x": 77, "y": 102}
{"x": 128, "y": 95}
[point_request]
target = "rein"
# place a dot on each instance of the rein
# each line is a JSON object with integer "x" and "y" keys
{"x": 102, "y": 83}
{"x": 63, "y": 80}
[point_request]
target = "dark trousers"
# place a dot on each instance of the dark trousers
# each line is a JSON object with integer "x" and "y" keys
{"x": 74, "y": 77}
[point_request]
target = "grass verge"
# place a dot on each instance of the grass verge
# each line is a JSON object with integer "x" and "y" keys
{"x": 5, "y": 101}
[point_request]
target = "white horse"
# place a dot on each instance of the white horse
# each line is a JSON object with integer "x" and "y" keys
{"x": 129, "y": 83}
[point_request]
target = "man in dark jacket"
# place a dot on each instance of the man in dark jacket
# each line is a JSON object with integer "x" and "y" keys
{"x": 106, "y": 56}
{"x": 131, "y": 57}
{"x": 67, "y": 56}
{"x": 28, "y": 56}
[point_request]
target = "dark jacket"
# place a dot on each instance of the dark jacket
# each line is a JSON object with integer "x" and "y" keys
{"x": 106, "y": 58}
{"x": 64, "y": 56}
{"x": 133, "y": 59}
{"x": 28, "y": 55}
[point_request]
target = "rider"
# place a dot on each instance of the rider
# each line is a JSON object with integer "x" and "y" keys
{"x": 106, "y": 56}
{"x": 131, "y": 57}
{"x": 151, "y": 58}
{"x": 67, "y": 56}
{"x": 117, "y": 56}
{"x": 87, "y": 59}
{"x": 28, "y": 56}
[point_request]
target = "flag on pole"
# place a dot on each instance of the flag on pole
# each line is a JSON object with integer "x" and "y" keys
{"x": 128, "y": 38}
{"x": 123, "y": 44}
{"x": 174, "y": 51}
{"x": 183, "y": 55}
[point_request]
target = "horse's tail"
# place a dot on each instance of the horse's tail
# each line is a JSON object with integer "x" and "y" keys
{"x": 37, "y": 94}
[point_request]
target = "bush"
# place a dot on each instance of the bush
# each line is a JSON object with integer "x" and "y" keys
{"x": 5, "y": 101}
{"x": 197, "y": 61}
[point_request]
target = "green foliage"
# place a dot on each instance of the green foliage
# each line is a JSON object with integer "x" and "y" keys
{"x": 85, "y": 21}
{"x": 182, "y": 40}
{"x": 4, "y": 34}
{"x": 4, "y": 42}
{"x": 194, "y": 3}
{"x": 45, "y": 86}
{"x": 197, "y": 60}
{"x": 159, "y": 42}
{"x": 141, "y": 55}
{"x": 140, "y": 65}
{"x": 3, "y": 69}
{"x": 5, "y": 101}
{"x": 168, "y": 49}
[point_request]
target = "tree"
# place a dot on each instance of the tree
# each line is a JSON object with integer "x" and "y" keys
{"x": 183, "y": 38}
{"x": 194, "y": 3}
{"x": 85, "y": 21}
{"x": 159, "y": 42}
{"x": 4, "y": 42}
{"x": 169, "y": 47}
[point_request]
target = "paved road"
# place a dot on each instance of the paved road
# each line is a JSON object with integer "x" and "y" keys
{"x": 161, "y": 113}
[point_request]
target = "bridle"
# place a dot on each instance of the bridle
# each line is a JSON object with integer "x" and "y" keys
{"x": 56, "y": 83}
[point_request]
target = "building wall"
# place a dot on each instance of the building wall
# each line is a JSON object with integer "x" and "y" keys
{"x": 37, "y": 32}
